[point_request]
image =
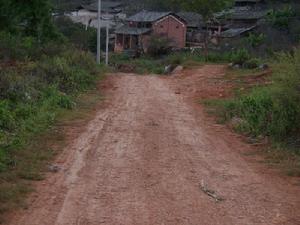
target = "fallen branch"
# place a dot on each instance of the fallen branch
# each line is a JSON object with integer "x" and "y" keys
{"x": 211, "y": 193}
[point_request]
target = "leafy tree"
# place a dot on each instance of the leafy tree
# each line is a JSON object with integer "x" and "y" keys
{"x": 31, "y": 17}
{"x": 204, "y": 7}
{"x": 159, "y": 45}
{"x": 281, "y": 18}
{"x": 8, "y": 16}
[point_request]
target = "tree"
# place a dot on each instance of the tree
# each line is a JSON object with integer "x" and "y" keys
{"x": 206, "y": 8}
{"x": 33, "y": 17}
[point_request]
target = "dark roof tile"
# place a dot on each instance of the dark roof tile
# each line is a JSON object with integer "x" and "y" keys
{"x": 132, "y": 30}
{"x": 192, "y": 19}
{"x": 147, "y": 16}
{"x": 106, "y": 6}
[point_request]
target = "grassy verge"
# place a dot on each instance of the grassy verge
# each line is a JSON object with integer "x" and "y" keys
{"x": 156, "y": 65}
{"x": 270, "y": 112}
{"x": 40, "y": 150}
{"x": 38, "y": 85}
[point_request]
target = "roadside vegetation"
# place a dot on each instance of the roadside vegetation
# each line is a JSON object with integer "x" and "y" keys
{"x": 269, "y": 112}
{"x": 272, "y": 110}
{"x": 43, "y": 74}
{"x": 157, "y": 64}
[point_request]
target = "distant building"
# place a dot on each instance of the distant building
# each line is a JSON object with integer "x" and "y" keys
{"x": 243, "y": 18}
{"x": 251, "y": 3}
{"x": 195, "y": 25}
{"x": 139, "y": 28}
{"x": 112, "y": 13}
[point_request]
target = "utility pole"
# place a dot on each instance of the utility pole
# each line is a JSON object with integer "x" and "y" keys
{"x": 107, "y": 41}
{"x": 99, "y": 33}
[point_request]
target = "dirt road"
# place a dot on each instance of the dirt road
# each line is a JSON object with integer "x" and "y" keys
{"x": 151, "y": 158}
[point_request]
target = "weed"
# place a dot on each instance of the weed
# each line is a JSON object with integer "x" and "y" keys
{"x": 271, "y": 111}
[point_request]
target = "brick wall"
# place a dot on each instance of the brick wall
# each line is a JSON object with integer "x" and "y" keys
{"x": 173, "y": 28}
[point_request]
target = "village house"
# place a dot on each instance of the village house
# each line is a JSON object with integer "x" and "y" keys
{"x": 195, "y": 26}
{"x": 112, "y": 13}
{"x": 243, "y": 18}
{"x": 136, "y": 33}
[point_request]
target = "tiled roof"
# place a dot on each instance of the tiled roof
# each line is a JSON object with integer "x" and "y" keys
{"x": 233, "y": 32}
{"x": 106, "y": 6}
{"x": 241, "y": 13}
{"x": 192, "y": 19}
{"x": 247, "y": 15}
{"x": 132, "y": 30}
{"x": 147, "y": 16}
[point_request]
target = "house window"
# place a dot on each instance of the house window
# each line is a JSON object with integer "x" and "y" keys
{"x": 177, "y": 27}
{"x": 161, "y": 26}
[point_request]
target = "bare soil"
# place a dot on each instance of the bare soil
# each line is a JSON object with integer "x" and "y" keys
{"x": 151, "y": 156}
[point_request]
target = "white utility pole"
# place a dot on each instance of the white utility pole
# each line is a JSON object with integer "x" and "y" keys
{"x": 107, "y": 41}
{"x": 99, "y": 33}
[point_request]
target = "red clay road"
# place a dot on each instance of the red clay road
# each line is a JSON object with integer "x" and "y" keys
{"x": 151, "y": 157}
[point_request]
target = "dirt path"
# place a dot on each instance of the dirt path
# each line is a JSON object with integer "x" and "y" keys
{"x": 145, "y": 158}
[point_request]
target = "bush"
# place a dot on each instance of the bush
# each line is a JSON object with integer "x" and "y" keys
{"x": 251, "y": 63}
{"x": 6, "y": 117}
{"x": 274, "y": 110}
{"x": 240, "y": 56}
{"x": 159, "y": 45}
{"x": 15, "y": 47}
{"x": 70, "y": 72}
{"x": 281, "y": 18}
{"x": 79, "y": 36}
{"x": 255, "y": 39}
{"x": 32, "y": 93}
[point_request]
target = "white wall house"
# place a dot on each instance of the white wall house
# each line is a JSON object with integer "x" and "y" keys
{"x": 87, "y": 14}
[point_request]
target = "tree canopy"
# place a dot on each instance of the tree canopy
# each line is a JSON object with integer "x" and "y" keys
{"x": 31, "y": 17}
{"x": 205, "y": 7}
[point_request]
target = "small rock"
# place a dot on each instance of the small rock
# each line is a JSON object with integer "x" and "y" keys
{"x": 54, "y": 168}
{"x": 168, "y": 69}
{"x": 177, "y": 69}
{"x": 264, "y": 67}
{"x": 230, "y": 65}
{"x": 237, "y": 66}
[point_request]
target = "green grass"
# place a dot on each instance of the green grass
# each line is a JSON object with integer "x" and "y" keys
{"x": 271, "y": 111}
{"x": 29, "y": 160}
{"x": 39, "y": 87}
{"x": 156, "y": 65}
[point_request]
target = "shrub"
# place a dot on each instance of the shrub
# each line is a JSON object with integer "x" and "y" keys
{"x": 159, "y": 45}
{"x": 15, "y": 47}
{"x": 32, "y": 93}
{"x": 6, "y": 117}
{"x": 79, "y": 36}
{"x": 251, "y": 63}
{"x": 274, "y": 110}
{"x": 281, "y": 18}
{"x": 255, "y": 39}
{"x": 240, "y": 56}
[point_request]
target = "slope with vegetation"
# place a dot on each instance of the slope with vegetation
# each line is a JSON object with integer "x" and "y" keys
{"x": 41, "y": 74}
{"x": 272, "y": 110}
